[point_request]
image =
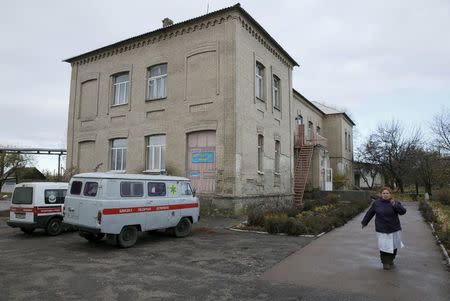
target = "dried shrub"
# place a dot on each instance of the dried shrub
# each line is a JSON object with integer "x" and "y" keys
{"x": 275, "y": 223}
{"x": 255, "y": 218}
{"x": 443, "y": 196}
{"x": 294, "y": 227}
{"x": 427, "y": 211}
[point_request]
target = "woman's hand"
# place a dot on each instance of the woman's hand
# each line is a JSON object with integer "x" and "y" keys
{"x": 392, "y": 202}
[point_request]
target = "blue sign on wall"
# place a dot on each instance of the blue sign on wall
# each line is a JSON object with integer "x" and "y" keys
{"x": 203, "y": 157}
{"x": 195, "y": 173}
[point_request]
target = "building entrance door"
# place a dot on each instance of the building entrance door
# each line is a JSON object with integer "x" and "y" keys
{"x": 201, "y": 161}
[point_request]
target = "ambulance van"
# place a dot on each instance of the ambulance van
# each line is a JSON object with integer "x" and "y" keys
{"x": 38, "y": 205}
{"x": 122, "y": 205}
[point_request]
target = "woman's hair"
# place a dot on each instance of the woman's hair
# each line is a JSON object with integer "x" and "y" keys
{"x": 386, "y": 188}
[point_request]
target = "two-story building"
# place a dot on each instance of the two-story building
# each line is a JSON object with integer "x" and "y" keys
{"x": 210, "y": 98}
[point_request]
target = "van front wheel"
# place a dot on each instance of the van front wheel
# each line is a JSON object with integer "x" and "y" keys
{"x": 127, "y": 237}
{"x": 54, "y": 227}
{"x": 183, "y": 228}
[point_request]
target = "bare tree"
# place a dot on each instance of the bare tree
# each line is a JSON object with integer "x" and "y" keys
{"x": 8, "y": 161}
{"x": 364, "y": 164}
{"x": 441, "y": 128}
{"x": 393, "y": 149}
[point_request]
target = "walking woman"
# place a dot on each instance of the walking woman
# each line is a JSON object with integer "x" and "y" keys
{"x": 387, "y": 225}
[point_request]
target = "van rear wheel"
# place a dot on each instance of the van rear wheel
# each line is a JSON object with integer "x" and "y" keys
{"x": 183, "y": 228}
{"x": 27, "y": 230}
{"x": 127, "y": 237}
{"x": 54, "y": 227}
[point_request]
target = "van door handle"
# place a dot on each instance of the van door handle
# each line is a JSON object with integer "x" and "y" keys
{"x": 149, "y": 202}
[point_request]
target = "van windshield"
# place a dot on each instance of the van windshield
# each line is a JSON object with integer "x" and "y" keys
{"x": 23, "y": 195}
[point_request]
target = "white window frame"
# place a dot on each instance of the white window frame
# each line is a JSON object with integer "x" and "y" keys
{"x": 276, "y": 84}
{"x": 120, "y": 89}
{"x": 277, "y": 156}
{"x": 115, "y": 151}
{"x": 259, "y": 80}
{"x": 154, "y": 149}
{"x": 260, "y": 153}
{"x": 157, "y": 85}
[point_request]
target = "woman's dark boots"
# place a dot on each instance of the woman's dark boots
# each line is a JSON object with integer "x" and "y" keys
{"x": 387, "y": 259}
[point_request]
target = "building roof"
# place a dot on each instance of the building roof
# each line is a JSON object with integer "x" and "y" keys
{"x": 237, "y": 7}
{"x": 307, "y": 101}
{"x": 22, "y": 174}
{"x": 123, "y": 176}
{"x": 331, "y": 111}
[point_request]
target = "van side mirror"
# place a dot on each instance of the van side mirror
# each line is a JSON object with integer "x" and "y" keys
{"x": 193, "y": 192}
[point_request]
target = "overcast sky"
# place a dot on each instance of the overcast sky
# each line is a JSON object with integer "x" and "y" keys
{"x": 378, "y": 59}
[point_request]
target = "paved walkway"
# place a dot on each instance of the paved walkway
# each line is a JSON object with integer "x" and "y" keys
{"x": 346, "y": 260}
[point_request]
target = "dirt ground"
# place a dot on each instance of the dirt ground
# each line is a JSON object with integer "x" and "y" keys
{"x": 212, "y": 264}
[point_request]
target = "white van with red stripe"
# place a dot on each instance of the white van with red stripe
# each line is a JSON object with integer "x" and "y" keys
{"x": 38, "y": 205}
{"x": 121, "y": 205}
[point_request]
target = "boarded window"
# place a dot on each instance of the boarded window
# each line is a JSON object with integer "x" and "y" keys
{"x": 88, "y": 100}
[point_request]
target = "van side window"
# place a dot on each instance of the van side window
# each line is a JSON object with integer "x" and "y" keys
{"x": 75, "y": 188}
{"x": 156, "y": 189}
{"x": 131, "y": 189}
{"x": 55, "y": 196}
{"x": 90, "y": 189}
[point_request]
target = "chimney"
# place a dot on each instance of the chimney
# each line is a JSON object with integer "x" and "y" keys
{"x": 167, "y": 22}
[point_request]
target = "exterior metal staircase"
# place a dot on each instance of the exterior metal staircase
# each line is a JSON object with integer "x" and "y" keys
{"x": 303, "y": 156}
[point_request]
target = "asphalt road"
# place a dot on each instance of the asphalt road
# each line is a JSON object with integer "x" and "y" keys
{"x": 212, "y": 264}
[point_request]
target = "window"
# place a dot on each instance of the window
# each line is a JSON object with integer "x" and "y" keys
{"x": 299, "y": 119}
{"x": 55, "y": 196}
{"x": 310, "y": 130}
{"x": 23, "y": 195}
{"x": 157, "y": 82}
{"x": 131, "y": 189}
{"x": 277, "y": 156}
{"x": 121, "y": 88}
{"x": 119, "y": 154}
{"x": 75, "y": 188}
{"x": 349, "y": 143}
{"x": 185, "y": 188}
{"x": 259, "y": 81}
{"x": 90, "y": 189}
{"x": 156, "y": 152}
{"x": 276, "y": 93}
{"x": 318, "y": 129}
{"x": 346, "y": 140}
{"x": 156, "y": 189}
{"x": 260, "y": 152}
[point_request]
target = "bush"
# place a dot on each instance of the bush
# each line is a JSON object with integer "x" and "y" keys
{"x": 331, "y": 198}
{"x": 427, "y": 211}
{"x": 294, "y": 227}
{"x": 255, "y": 218}
{"x": 275, "y": 223}
{"x": 443, "y": 196}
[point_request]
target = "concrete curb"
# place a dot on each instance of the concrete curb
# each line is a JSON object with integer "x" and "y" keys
{"x": 282, "y": 234}
{"x": 444, "y": 251}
